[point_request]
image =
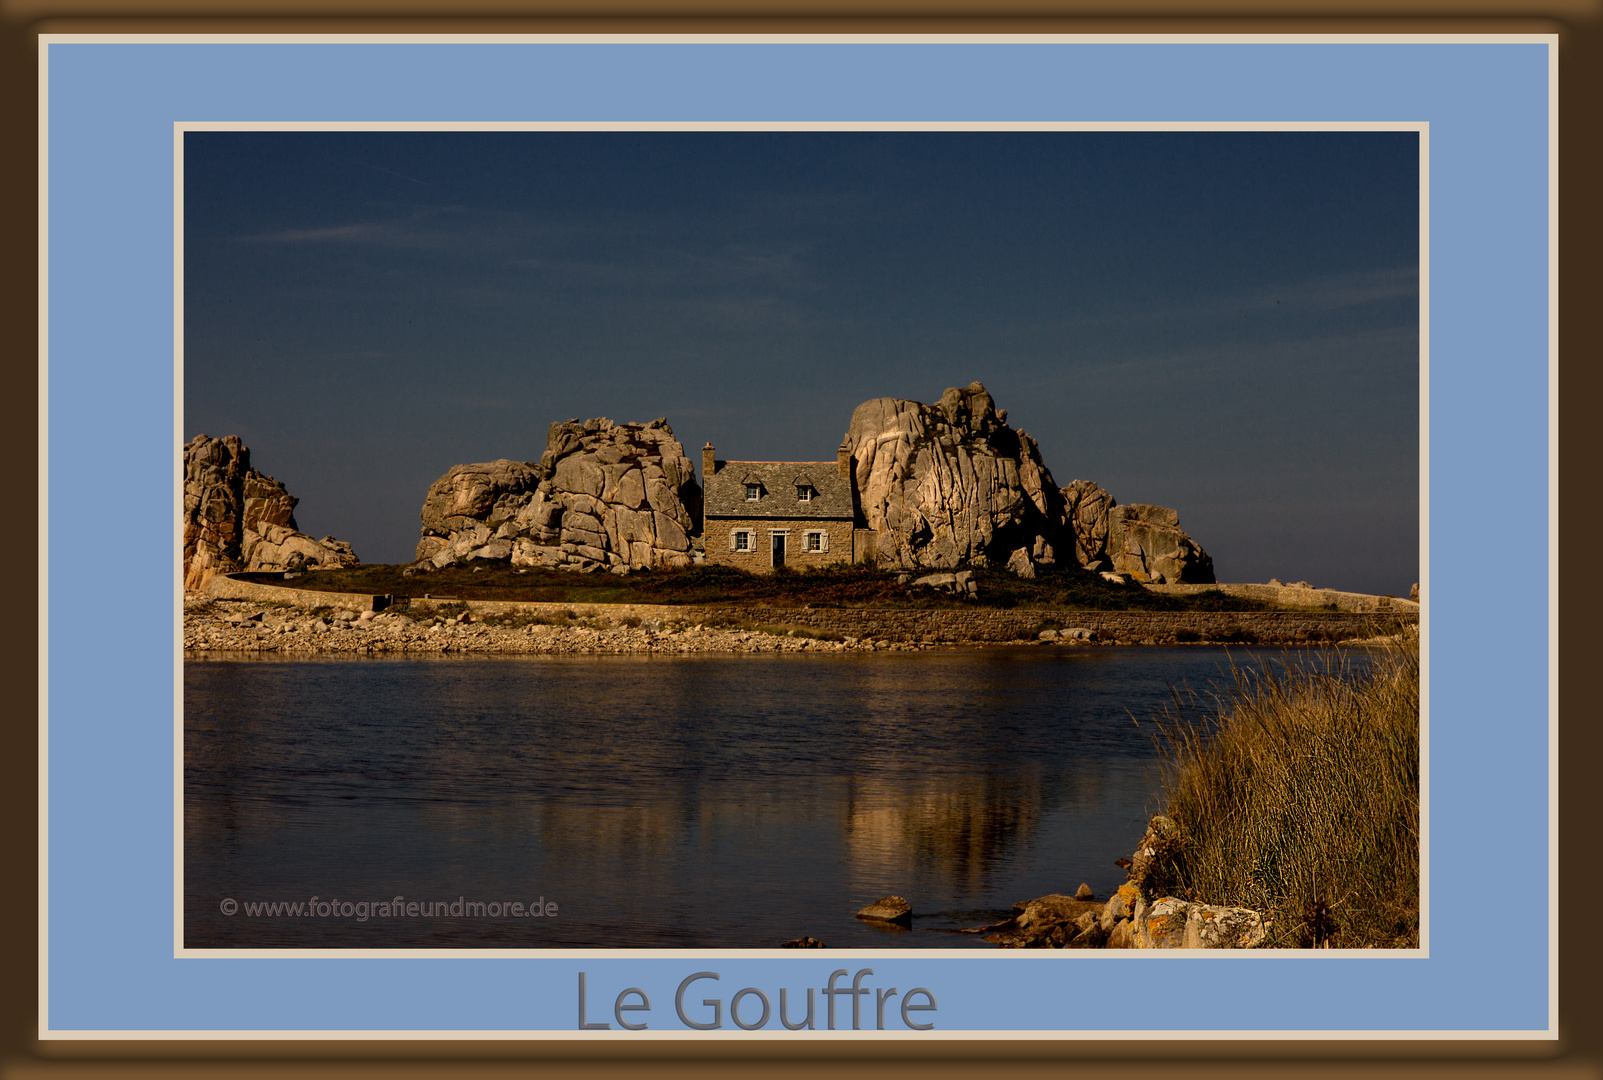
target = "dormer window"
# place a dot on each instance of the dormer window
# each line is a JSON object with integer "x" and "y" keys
{"x": 754, "y": 492}
{"x": 804, "y": 493}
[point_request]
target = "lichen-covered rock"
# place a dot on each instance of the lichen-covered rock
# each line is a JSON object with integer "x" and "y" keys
{"x": 603, "y": 495}
{"x": 236, "y": 518}
{"x": 1210, "y": 926}
{"x": 946, "y": 484}
{"x": 1119, "y": 906}
{"x": 1161, "y": 924}
{"x": 1172, "y": 923}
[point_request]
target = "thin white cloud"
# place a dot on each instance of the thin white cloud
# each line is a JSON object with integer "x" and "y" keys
{"x": 365, "y": 232}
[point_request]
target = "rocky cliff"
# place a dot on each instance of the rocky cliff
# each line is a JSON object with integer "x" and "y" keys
{"x": 948, "y": 484}
{"x": 236, "y": 518}
{"x": 602, "y": 496}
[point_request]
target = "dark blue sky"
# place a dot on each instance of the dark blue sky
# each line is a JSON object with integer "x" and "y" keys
{"x": 1225, "y": 323}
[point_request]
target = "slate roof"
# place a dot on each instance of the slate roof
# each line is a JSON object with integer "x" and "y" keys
{"x": 725, "y": 491}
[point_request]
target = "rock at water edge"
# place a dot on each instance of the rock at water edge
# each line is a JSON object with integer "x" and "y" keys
{"x": 888, "y": 909}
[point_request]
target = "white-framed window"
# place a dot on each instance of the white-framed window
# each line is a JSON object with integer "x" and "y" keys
{"x": 804, "y": 493}
{"x": 740, "y": 540}
{"x": 754, "y": 491}
{"x": 815, "y": 542}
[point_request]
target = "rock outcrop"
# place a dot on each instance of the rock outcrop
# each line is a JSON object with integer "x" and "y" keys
{"x": 1085, "y": 515}
{"x": 948, "y": 484}
{"x": 1146, "y": 543}
{"x": 236, "y": 518}
{"x": 1140, "y": 541}
{"x": 1138, "y": 916}
{"x": 952, "y": 484}
{"x": 888, "y": 909}
{"x": 603, "y": 496}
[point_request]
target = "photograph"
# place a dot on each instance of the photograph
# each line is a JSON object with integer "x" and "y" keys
{"x": 774, "y": 538}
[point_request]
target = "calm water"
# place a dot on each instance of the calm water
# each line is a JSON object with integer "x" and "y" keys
{"x": 709, "y": 802}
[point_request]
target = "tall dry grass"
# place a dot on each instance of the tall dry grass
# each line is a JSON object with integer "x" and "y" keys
{"x": 1297, "y": 794}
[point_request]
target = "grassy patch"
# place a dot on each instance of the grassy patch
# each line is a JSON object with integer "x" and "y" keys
{"x": 1299, "y": 796}
{"x": 840, "y": 585}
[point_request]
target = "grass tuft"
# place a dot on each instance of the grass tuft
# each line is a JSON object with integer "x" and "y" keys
{"x": 1298, "y": 795}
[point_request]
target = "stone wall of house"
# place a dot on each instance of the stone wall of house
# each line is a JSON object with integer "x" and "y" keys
{"x": 759, "y": 559}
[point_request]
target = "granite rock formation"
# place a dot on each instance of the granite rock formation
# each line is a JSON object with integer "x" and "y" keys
{"x": 1140, "y": 541}
{"x": 1085, "y": 515}
{"x": 951, "y": 483}
{"x": 603, "y": 496}
{"x": 236, "y": 518}
{"x": 1146, "y": 543}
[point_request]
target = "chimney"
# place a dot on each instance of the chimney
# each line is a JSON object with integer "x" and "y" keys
{"x": 843, "y": 458}
{"x": 708, "y": 465}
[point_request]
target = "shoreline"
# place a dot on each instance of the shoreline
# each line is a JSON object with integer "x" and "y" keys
{"x": 214, "y": 624}
{"x": 519, "y": 625}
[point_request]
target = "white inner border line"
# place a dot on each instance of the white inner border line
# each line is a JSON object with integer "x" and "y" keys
{"x": 1000, "y": 956}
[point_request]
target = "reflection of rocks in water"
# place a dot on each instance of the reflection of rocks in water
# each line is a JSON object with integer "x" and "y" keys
{"x": 892, "y": 928}
{"x": 963, "y": 829}
{"x": 618, "y": 836}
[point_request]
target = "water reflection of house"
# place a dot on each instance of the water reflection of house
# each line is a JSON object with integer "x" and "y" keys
{"x": 763, "y": 515}
{"x": 959, "y": 831}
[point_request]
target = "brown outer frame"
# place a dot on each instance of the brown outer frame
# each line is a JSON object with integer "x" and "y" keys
{"x": 1579, "y": 26}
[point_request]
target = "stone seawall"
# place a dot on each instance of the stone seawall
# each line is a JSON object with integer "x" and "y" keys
{"x": 1295, "y": 596}
{"x": 230, "y": 588}
{"x": 897, "y": 624}
{"x": 1133, "y": 627}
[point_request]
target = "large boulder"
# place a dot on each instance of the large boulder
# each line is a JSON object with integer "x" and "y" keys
{"x": 236, "y": 518}
{"x": 951, "y": 483}
{"x": 1140, "y": 541}
{"x": 602, "y": 495}
{"x": 469, "y": 494}
{"x": 1172, "y": 923}
{"x": 1146, "y": 543}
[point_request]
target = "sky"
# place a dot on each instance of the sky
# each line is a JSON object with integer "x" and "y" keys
{"x": 1225, "y": 323}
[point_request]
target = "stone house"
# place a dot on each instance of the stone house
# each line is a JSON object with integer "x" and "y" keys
{"x": 763, "y": 515}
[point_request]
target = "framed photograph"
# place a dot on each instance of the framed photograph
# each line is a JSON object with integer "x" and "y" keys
{"x": 798, "y": 539}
